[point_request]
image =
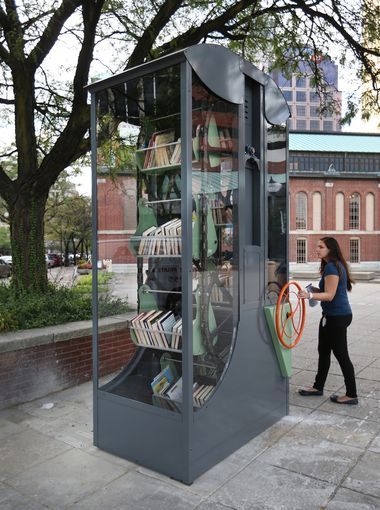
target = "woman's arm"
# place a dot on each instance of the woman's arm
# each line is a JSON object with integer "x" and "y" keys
{"x": 331, "y": 284}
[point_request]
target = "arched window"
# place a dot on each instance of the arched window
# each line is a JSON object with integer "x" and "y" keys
{"x": 339, "y": 211}
{"x": 354, "y": 211}
{"x": 301, "y": 211}
{"x": 317, "y": 211}
{"x": 370, "y": 212}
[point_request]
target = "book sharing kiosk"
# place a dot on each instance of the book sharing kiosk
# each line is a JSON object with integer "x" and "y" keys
{"x": 200, "y": 139}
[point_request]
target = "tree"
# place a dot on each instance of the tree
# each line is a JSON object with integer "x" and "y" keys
{"x": 51, "y": 116}
{"x": 68, "y": 218}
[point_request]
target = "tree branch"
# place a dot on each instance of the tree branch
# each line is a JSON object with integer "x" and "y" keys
{"x": 6, "y": 185}
{"x": 69, "y": 146}
{"x": 51, "y": 32}
{"x": 146, "y": 41}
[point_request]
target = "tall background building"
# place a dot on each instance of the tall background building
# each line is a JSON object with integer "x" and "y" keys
{"x": 304, "y": 101}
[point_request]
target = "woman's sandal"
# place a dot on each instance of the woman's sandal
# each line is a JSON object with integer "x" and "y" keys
{"x": 310, "y": 393}
{"x": 350, "y": 402}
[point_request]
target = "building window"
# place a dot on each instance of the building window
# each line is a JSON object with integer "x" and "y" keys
{"x": 301, "y": 82}
{"x": 315, "y": 125}
{"x": 314, "y": 98}
{"x": 354, "y": 251}
{"x": 370, "y": 212}
{"x": 328, "y": 125}
{"x": 300, "y": 97}
{"x": 301, "y": 211}
{"x": 314, "y": 111}
{"x": 301, "y": 111}
{"x": 301, "y": 124}
{"x": 283, "y": 81}
{"x": 317, "y": 211}
{"x": 354, "y": 212}
{"x": 301, "y": 251}
{"x": 288, "y": 95}
{"x": 339, "y": 211}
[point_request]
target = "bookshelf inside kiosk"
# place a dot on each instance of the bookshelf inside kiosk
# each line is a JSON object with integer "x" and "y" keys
{"x": 174, "y": 181}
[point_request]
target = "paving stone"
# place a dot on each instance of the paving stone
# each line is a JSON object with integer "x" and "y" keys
{"x": 336, "y": 428}
{"x": 368, "y": 389}
{"x": 375, "y": 445}
{"x": 346, "y": 499}
{"x": 22, "y": 451}
{"x": 65, "y": 479}
{"x": 365, "y": 477}
{"x": 370, "y": 373}
{"x": 368, "y": 409}
{"x": 306, "y": 378}
{"x": 296, "y": 399}
{"x": 10, "y": 499}
{"x": 312, "y": 456}
{"x": 264, "y": 487}
{"x": 137, "y": 491}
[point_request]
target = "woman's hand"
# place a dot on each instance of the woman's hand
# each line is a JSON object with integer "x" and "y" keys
{"x": 304, "y": 294}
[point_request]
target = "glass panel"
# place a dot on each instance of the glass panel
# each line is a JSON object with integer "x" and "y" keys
{"x": 139, "y": 235}
{"x": 214, "y": 246}
{"x": 277, "y": 262}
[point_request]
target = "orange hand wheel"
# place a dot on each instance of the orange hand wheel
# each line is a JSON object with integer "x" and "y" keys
{"x": 290, "y": 315}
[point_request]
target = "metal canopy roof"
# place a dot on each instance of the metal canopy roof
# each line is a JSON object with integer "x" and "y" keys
{"x": 222, "y": 70}
{"x": 339, "y": 142}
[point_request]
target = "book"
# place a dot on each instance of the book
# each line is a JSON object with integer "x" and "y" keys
{"x": 160, "y": 329}
{"x": 167, "y": 326}
{"x": 144, "y": 241}
{"x": 162, "y": 380}
{"x": 175, "y": 391}
{"x": 162, "y": 139}
{"x": 149, "y": 322}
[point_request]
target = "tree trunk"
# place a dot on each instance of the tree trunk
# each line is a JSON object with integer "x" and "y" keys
{"x": 27, "y": 241}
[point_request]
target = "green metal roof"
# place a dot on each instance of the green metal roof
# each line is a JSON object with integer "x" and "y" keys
{"x": 328, "y": 142}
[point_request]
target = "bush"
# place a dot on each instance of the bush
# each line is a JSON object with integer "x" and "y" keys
{"x": 57, "y": 306}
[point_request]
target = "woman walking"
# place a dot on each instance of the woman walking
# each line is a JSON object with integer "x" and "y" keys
{"x": 336, "y": 317}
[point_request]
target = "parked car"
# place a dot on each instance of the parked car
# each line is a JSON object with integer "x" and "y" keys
{"x": 53, "y": 260}
{"x": 5, "y": 269}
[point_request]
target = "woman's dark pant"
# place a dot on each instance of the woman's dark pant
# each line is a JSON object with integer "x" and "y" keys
{"x": 333, "y": 337}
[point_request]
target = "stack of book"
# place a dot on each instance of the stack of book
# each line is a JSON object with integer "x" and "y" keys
{"x": 162, "y": 240}
{"x": 217, "y": 207}
{"x": 162, "y": 149}
{"x": 201, "y": 394}
{"x": 154, "y": 328}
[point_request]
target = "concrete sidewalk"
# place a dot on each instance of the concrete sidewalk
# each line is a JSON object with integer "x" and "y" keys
{"x": 321, "y": 456}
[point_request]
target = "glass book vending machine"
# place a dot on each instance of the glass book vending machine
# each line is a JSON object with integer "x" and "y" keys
{"x": 190, "y": 216}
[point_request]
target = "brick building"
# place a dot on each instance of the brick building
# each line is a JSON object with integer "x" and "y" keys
{"x": 335, "y": 190}
{"x": 334, "y": 186}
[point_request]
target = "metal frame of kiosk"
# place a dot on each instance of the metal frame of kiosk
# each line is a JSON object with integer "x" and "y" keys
{"x": 229, "y": 125}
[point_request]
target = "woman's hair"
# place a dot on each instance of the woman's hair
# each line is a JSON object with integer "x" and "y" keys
{"x": 335, "y": 255}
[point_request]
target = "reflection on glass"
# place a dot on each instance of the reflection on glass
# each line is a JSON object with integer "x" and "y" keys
{"x": 214, "y": 192}
{"x": 277, "y": 262}
{"x": 139, "y": 231}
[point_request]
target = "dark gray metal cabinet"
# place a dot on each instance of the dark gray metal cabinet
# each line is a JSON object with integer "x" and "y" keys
{"x": 190, "y": 207}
